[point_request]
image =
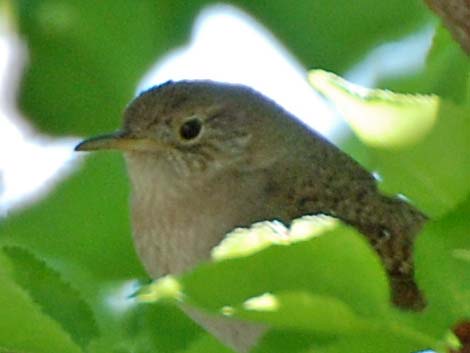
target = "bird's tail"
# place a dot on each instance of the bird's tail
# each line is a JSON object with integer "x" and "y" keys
{"x": 395, "y": 227}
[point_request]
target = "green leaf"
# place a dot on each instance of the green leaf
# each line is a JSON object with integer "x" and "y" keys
{"x": 281, "y": 341}
{"x": 380, "y": 118}
{"x": 83, "y": 224}
{"x": 448, "y": 67}
{"x": 23, "y": 326}
{"x": 413, "y": 141}
{"x": 446, "y": 73}
{"x": 157, "y": 328}
{"x": 338, "y": 263}
{"x": 443, "y": 269}
{"x": 55, "y": 297}
{"x": 382, "y": 340}
{"x": 207, "y": 344}
{"x": 146, "y": 329}
{"x": 301, "y": 311}
{"x": 421, "y": 172}
{"x": 86, "y": 61}
{"x": 337, "y": 34}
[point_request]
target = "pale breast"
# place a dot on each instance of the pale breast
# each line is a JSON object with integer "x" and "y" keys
{"x": 176, "y": 223}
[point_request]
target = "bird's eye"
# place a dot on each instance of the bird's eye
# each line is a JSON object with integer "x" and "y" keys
{"x": 191, "y": 129}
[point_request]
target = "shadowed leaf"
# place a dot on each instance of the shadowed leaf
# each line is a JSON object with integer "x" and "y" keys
{"x": 47, "y": 288}
{"x": 23, "y": 326}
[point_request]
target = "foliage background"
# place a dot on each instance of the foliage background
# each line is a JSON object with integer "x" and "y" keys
{"x": 64, "y": 256}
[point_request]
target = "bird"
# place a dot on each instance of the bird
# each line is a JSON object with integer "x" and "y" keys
{"x": 205, "y": 157}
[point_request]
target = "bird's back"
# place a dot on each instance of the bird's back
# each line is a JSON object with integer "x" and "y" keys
{"x": 317, "y": 178}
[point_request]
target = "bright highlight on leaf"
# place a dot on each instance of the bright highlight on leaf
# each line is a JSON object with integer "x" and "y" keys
{"x": 243, "y": 242}
{"x": 227, "y": 310}
{"x": 166, "y": 287}
{"x": 264, "y": 302}
{"x": 462, "y": 254}
{"x": 246, "y": 241}
{"x": 380, "y": 118}
{"x": 309, "y": 226}
{"x": 303, "y": 310}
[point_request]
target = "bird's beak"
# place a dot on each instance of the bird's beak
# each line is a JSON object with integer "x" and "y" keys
{"x": 119, "y": 140}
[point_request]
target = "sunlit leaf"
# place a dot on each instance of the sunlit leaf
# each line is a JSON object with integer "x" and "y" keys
{"x": 166, "y": 287}
{"x": 246, "y": 241}
{"x": 380, "y": 118}
{"x": 243, "y": 242}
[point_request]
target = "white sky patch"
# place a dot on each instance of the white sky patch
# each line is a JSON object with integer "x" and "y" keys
{"x": 28, "y": 162}
{"x": 121, "y": 299}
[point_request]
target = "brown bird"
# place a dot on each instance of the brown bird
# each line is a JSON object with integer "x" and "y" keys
{"x": 206, "y": 157}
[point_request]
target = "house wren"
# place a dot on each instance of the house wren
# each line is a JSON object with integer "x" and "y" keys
{"x": 206, "y": 157}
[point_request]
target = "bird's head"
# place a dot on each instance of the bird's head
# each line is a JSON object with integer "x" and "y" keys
{"x": 192, "y": 127}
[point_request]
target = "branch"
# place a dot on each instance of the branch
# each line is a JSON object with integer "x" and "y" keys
{"x": 456, "y": 17}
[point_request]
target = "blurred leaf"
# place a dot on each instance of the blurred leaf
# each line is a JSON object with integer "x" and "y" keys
{"x": 84, "y": 223}
{"x": 281, "y": 341}
{"x": 433, "y": 136}
{"x": 382, "y": 340}
{"x": 87, "y": 57}
{"x": 435, "y": 172}
{"x": 443, "y": 269}
{"x": 446, "y": 73}
{"x": 448, "y": 67}
{"x": 23, "y": 327}
{"x": 336, "y": 34}
{"x": 207, "y": 344}
{"x": 43, "y": 284}
{"x": 158, "y": 328}
{"x": 143, "y": 328}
